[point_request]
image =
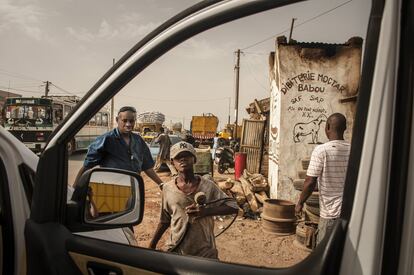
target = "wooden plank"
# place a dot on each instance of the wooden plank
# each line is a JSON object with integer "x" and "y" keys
{"x": 261, "y": 197}
{"x": 226, "y": 185}
{"x": 251, "y": 199}
{"x": 238, "y": 192}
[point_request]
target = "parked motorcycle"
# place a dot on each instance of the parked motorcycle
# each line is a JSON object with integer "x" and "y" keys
{"x": 224, "y": 158}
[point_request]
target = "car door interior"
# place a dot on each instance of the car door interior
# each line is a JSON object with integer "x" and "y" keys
{"x": 6, "y": 224}
{"x": 53, "y": 249}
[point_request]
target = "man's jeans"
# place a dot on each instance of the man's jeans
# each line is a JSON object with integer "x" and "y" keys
{"x": 325, "y": 227}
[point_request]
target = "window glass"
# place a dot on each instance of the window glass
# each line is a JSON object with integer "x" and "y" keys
{"x": 57, "y": 113}
{"x": 92, "y": 122}
{"x": 98, "y": 119}
{"x": 67, "y": 109}
{"x": 104, "y": 119}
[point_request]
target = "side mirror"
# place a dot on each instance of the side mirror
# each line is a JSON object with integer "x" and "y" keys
{"x": 107, "y": 198}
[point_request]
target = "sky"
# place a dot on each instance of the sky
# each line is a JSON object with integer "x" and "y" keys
{"x": 72, "y": 43}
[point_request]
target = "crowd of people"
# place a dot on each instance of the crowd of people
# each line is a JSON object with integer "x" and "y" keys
{"x": 191, "y": 224}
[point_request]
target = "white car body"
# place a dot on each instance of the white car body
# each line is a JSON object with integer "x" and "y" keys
{"x": 16, "y": 154}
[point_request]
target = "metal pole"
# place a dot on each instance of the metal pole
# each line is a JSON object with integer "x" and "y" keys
{"x": 228, "y": 121}
{"x": 236, "y": 100}
{"x": 291, "y": 29}
{"x": 113, "y": 103}
{"x": 47, "y": 88}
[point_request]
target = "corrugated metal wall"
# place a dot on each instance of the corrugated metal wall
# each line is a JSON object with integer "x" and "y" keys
{"x": 252, "y": 143}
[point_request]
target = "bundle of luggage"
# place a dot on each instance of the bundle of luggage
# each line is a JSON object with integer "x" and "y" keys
{"x": 151, "y": 117}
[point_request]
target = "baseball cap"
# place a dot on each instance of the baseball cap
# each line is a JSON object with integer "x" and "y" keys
{"x": 181, "y": 146}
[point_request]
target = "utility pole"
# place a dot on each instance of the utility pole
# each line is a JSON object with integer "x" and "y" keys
{"x": 236, "y": 100}
{"x": 291, "y": 29}
{"x": 47, "y": 88}
{"x": 228, "y": 121}
{"x": 112, "y": 102}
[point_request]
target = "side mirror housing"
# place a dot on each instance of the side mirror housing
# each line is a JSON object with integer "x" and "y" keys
{"x": 106, "y": 198}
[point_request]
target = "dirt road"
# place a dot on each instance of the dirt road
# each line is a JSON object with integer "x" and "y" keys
{"x": 244, "y": 242}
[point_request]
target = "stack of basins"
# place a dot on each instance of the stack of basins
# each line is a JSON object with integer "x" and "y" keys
{"x": 311, "y": 210}
{"x": 278, "y": 217}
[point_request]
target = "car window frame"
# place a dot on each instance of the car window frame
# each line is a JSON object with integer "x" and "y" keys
{"x": 55, "y": 150}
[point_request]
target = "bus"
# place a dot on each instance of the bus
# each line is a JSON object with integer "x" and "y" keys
{"x": 33, "y": 119}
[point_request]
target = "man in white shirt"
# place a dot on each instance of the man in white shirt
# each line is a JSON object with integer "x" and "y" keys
{"x": 327, "y": 169}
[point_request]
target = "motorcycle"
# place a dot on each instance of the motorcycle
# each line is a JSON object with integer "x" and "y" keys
{"x": 224, "y": 158}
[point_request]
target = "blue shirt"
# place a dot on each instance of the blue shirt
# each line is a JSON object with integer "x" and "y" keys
{"x": 111, "y": 150}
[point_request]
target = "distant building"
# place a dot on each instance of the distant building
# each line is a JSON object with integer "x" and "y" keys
{"x": 3, "y": 96}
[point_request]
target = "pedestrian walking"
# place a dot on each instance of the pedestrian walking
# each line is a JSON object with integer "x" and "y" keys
{"x": 215, "y": 145}
{"x": 121, "y": 148}
{"x": 164, "y": 153}
{"x": 327, "y": 170}
{"x": 191, "y": 225}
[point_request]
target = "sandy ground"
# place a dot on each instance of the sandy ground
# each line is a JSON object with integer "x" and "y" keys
{"x": 244, "y": 242}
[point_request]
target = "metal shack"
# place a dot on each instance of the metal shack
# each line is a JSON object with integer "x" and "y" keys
{"x": 309, "y": 82}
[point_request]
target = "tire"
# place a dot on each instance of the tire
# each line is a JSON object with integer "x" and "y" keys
{"x": 298, "y": 184}
{"x": 311, "y": 217}
{"x": 221, "y": 169}
{"x": 313, "y": 199}
{"x": 312, "y": 209}
{"x": 302, "y": 174}
{"x": 305, "y": 163}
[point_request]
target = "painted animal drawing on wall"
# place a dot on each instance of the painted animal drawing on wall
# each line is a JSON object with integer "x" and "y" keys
{"x": 303, "y": 129}
{"x": 274, "y": 145}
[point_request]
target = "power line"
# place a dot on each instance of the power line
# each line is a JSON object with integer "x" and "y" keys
{"x": 63, "y": 90}
{"x": 297, "y": 25}
{"x": 175, "y": 100}
{"x": 17, "y": 75}
{"x": 20, "y": 90}
{"x": 254, "y": 77}
{"x": 24, "y": 87}
{"x": 253, "y": 53}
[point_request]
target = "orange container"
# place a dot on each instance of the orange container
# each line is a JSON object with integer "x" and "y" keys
{"x": 239, "y": 164}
